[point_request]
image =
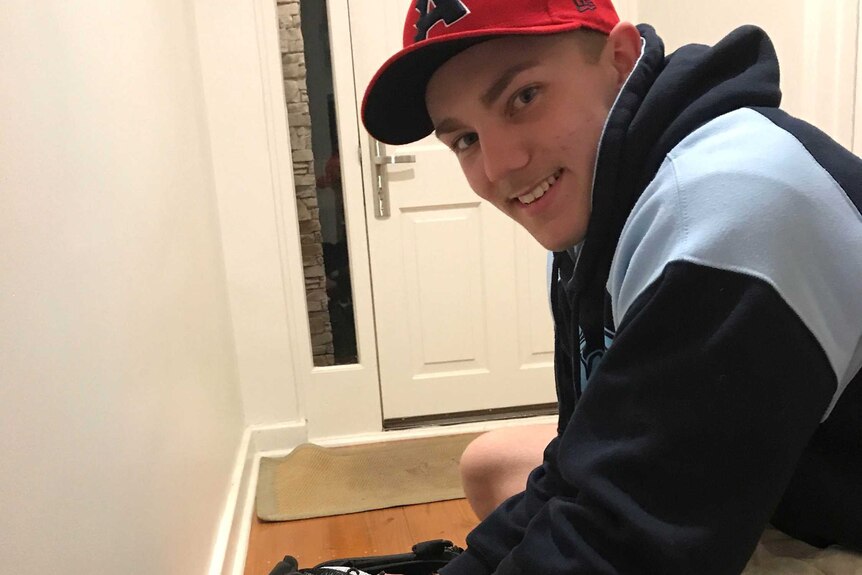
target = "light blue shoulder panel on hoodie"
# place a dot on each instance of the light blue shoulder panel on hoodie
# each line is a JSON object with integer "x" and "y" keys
{"x": 743, "y": 195}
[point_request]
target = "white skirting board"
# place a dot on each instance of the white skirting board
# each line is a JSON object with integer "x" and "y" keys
{"x": 231, "y": 548}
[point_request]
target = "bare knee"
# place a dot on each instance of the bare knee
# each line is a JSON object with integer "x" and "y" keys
{"x": 481, "y": 473}
{"x": 495, "y": 466}
{"x": 481, "y": 461}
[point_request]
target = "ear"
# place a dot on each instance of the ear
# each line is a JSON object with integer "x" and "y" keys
{"x": 624, "y": 49}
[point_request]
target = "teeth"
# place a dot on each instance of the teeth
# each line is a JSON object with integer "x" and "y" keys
{"x": 539, "y": 190}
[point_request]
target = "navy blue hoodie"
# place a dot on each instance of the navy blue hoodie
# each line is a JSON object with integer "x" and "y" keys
{"x": 708, "y": 336}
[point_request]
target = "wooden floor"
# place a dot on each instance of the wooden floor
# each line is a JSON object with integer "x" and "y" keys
{"x": 378, "y": 532}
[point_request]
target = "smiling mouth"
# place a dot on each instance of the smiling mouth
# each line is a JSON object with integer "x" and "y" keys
{"x": 540, "y": 189}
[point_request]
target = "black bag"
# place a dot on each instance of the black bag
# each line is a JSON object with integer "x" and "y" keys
{"x": 426, "y": 558}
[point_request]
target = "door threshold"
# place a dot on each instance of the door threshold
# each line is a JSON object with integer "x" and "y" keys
{"x": 470, "y": 416}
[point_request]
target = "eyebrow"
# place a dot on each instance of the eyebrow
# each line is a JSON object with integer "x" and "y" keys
{"x": 490, "y": 95}
{"x": 447, "y": 126}
{"x": 498, "y": 87}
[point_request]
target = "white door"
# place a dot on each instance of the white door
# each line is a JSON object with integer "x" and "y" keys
{"x": 460, "y": 296}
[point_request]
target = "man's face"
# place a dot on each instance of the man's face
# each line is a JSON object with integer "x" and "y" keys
{"x": 524, "y": 115}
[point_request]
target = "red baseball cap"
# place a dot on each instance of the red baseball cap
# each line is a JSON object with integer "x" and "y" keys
{"x": 393, "y": 109}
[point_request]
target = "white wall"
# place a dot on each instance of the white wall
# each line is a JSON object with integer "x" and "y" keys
{"x": 119, "y": 397}
{"x": 816, "y": 43}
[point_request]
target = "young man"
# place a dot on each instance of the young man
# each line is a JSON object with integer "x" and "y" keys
{"x": 705, "y": 290}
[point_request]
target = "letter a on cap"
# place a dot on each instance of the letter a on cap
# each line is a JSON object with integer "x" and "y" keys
{"x": 447, "y": 11}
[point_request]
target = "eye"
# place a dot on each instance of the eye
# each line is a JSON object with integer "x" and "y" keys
{"x": 523, "y": 97}
{"x": 463, "y": 142}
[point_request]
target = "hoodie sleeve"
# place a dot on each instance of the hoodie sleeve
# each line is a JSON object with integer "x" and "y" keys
{"x": 680, "y": 447}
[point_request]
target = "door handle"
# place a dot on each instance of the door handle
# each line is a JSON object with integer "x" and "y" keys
{"x": 386, "y": 160}
{"x": 381, "y": 187}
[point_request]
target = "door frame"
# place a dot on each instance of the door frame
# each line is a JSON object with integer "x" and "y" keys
{"x": 253, "y": 173}
{"x": 347, "y": 389}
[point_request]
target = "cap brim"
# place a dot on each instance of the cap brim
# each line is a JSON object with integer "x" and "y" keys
{"x": 393, "y": 109}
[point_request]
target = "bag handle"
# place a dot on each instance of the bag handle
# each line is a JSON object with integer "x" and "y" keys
{"x": 425, "y": 558}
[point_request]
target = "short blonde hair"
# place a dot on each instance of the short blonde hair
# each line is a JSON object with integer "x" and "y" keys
{"x": 592, "y": 42}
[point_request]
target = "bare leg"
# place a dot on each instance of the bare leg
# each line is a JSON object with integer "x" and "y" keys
{"x": 496, "y": 464}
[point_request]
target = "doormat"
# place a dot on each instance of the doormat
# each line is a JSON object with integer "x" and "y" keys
{"x": 314, "y": 481}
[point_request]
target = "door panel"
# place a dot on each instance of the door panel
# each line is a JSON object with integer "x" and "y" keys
{"x": 446, "y": 316}
{"x": 455, "y": 287}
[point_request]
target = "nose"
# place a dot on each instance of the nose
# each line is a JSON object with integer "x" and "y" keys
{"x": 502, "y": 153}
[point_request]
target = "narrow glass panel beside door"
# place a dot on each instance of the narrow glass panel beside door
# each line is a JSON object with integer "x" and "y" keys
{"x": 304, "y": 38}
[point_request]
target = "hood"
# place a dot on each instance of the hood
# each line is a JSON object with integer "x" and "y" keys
{"x": 664, "y": 100}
